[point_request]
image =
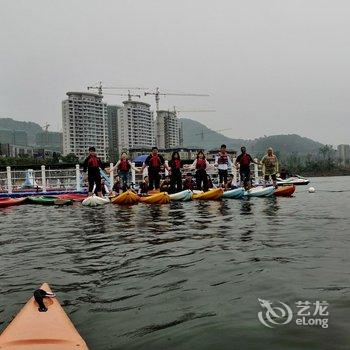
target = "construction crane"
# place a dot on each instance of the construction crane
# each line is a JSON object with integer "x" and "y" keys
{"x": 128, "y": 94}
{"x": 46, "y": 127}
{"x": 157, "y": 95}
{"x": 176, "y": 111}
{"x": 99, "y": 87}
{"x": 210, "y": 131}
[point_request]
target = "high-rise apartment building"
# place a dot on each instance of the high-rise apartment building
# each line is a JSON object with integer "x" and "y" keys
{"x": 135, "y": 126}
{"x": 85, "y": 124}
{"x": 112, "y": 113}
{"x": 168, "y": 130}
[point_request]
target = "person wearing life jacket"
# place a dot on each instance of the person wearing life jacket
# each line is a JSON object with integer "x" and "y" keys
{"x": 155, "y": 162}
{"x": 104, "y": 188}
{"x": 243, "y": 161}
{"x": 223, "y": 163}
{"x": 189, "y": 183}
{"x": 175, "y": 165}
{"x": 270, "y": 167}
{"x": 124, "y": 166}
{"x": 143, "y": 188}
{"x": 165, "y": 185}
{"x": 116, "y": 186}
{"x": 201, "y": 165}
{"x": 92, "y": 165}
{"x": 229, "y": 184}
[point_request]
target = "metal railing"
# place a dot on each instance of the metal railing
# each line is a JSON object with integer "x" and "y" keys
{"x": 71, "y": 179}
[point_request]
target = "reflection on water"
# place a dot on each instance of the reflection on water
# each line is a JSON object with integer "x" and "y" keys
{"x": 183, "y": 275}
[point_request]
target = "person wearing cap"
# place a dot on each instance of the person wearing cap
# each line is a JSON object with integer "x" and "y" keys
{"x": 243, "y": 161}
{"x": 270, "y": 167}
{"x": 91, "y": 166}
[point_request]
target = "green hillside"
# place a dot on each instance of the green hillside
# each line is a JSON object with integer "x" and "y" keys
{"x": 196, "y": 134}
{"x": 31, "y": 128}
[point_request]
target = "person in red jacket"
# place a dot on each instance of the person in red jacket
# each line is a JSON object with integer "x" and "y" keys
{"x": 244, "y": 160}
{"x": 155, "y": 162}
{"x": 92, "y": 165}
{"x": 123, "y": 167}
{"x": 175, "y": 165}
{"x": 201, "y": 165}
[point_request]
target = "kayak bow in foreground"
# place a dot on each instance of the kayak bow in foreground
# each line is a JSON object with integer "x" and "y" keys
{"x": 35, "y": 330}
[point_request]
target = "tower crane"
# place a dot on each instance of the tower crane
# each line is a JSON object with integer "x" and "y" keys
{"x": 157, "y": 95}
{"x": 99, "y": 87}
{"x": 176, "y": 111}
{"x": 128, "y": 94}
{"x": 210, "y": 131}
{"x": 46, "y": 127}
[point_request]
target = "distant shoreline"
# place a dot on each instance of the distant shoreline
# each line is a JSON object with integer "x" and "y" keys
{"x": 328, "y": 174}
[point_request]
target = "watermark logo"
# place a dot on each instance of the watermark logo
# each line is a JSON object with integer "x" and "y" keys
{"x": 274, "y": 315}
{"x": 307, "y": 313}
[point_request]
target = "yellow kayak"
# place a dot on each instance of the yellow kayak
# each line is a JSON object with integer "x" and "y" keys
{"x": 158, "y": 198}
{"x": 34, "y": 330}
{"x": 128, "y": 197}
{"x": 213, "y": 194}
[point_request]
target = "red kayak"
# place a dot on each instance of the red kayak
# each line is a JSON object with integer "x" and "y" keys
{"x": 73, "y": 196}
{"x": 284, "y": 191}
{"x": 8, "y": 202}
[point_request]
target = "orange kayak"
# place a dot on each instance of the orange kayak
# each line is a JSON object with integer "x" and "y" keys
{"x": 34, "y": 330}
{"x": 8, "y": 202}
{"x": 213, "y": 194}
{"x": 77, "y": 197}
{"x": 285, "y": 191}
{"x": 158, "y": 198}
{"x": 151, "y": 192}
{"x": 127, "y": 197}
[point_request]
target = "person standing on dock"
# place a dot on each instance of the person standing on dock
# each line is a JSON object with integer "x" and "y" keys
{"x": 201, "y": 165}
{"x": 124, "y": 166}
{"x": 243, "y": 161}
{"x": 92, "y": 165}
{"x": 175, "y": 165}
{"x": 270, "y": 167}
{"x": 223, "y": 163}
{"x": 155, "y": 162}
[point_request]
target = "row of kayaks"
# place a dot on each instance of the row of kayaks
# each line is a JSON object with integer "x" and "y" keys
{"x": 129, "y": 197}
{"x": 32, "y": 329}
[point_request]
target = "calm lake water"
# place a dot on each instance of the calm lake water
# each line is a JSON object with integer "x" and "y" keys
{"x": 186, "y": 275}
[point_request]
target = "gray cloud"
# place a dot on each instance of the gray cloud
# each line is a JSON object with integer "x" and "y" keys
{"x": 270, "y": 66}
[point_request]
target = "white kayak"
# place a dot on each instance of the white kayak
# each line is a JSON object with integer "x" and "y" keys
{"x": 94, "y": 201}
{"x": 185, "y": 195}
{"x": 235, "y": 193}
{"x": 294, "y": 180}
{"x": 260, "y": 191}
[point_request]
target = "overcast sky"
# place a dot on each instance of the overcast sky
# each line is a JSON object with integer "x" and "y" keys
{"x": 270, "y": 66}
